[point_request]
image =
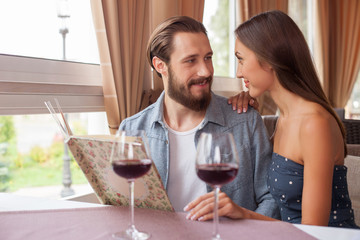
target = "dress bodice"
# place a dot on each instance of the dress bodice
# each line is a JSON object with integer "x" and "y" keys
{"x": 285, "y": 183}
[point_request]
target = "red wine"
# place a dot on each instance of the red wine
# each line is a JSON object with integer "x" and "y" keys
{"x": 131, "y": 169}
{"x": 216, "y": 174}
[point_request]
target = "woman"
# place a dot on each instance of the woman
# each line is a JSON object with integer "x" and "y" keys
{"x": 307, "y": 176}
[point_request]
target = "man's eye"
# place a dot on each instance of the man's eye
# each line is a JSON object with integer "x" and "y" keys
{"x": 208, "y": 58}
{"x": 190, "y": 60}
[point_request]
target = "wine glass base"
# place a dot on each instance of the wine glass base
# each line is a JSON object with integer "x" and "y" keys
{"x": 217, "y": 237}
{"x": 130, "y": 234}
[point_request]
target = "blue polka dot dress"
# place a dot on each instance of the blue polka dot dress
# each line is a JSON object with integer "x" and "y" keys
{"x": 285, "y": 183}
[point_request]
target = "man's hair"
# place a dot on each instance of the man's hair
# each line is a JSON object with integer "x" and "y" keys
{"x": 160, "y": 43}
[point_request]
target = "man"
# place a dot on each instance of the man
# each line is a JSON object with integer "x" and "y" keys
{"x": 180, "y": 52}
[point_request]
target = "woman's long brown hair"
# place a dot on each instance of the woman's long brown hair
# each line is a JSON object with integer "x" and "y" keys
{"x": 276, "y": 39}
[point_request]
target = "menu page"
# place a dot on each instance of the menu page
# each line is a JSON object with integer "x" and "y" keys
{"x": 92, "y": 153}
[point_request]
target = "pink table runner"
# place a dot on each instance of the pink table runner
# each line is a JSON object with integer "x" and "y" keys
{"x": 100, "y": 223}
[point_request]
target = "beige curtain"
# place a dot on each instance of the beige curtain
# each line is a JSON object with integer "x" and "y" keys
{"x": 247, "y": 9}
{"x": 337, "y": 47}
{"x": 321, "y": 42}
{"x": 123, "y": 28}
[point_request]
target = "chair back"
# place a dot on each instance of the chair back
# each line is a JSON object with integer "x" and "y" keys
{"x": 353, "y": 178}
{"x": 340, "y": 112}
{"x": 270, "y": 123}
{"x": 352, "y": 128}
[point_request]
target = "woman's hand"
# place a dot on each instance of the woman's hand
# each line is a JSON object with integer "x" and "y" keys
{"x": 241, "y": 101}
{"x": 202, "y": 208}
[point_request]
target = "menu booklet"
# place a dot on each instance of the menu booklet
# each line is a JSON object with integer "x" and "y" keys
{"x": 92, "y": 153}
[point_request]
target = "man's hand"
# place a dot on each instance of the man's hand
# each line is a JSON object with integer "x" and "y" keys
{"x": 201, "y": 209}
{"x": 241, "y": 101}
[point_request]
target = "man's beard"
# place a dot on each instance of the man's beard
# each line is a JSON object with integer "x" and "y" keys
{"x": 181, "y": 93}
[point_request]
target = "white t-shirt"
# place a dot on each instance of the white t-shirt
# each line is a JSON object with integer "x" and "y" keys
{"x": 184, "y": 185}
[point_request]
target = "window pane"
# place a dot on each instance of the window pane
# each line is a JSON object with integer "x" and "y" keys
{"x": 31, "y": 146}
{"x": 32, "y": 151}
{"x": 31, "y": 28}
{"x": 298, "y": 11}
{"x": 352, "y": 109}
{"x": 219, "y": 21}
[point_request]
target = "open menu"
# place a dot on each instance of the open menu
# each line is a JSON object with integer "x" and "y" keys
{"x": 92, "y": 153}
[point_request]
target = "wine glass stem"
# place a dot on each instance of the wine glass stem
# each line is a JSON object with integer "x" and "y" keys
{"x": 216, "y": 234}
{"x": 131, "y": 188}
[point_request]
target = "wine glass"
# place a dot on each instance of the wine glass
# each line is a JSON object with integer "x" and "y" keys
{"x": 130, "y": 159}
{"x": 217, "y": 163}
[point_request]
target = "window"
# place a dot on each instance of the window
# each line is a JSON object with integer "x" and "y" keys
{"x": 352, "y": 108}
{"x": 33, "y": 70}
{"x": 300, "y": 12}
{"x": 31, "y": 48}
{"x": 219, "y": 20}
{"x": 31, "y": 28}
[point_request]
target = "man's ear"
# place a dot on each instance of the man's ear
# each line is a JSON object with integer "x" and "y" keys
{"x": 159, "y": 65}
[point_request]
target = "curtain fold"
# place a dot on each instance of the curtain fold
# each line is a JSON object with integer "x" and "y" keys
{"x": 247, "y": 9}
{"x": 122, "y": 29}
{"x": 321, "y": 42}
{"x": 109, "y": 89}
{"x": 338, "y": 58}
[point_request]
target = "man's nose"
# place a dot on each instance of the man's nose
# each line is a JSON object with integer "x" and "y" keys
{"x": 205, "y": 69}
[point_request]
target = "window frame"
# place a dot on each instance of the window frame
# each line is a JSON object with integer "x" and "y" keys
{"x": 27, "y": 82}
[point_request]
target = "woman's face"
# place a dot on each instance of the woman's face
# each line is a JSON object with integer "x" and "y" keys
{"x": 257, "y": 78}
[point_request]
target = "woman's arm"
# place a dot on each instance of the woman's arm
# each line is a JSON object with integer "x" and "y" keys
{"x": 201, "y": 209}
{"x": 318, "y": 144}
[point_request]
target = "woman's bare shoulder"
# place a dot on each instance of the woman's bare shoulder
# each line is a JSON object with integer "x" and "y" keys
{"x": 320, "y": 133}
{"x": 318, "y": 121}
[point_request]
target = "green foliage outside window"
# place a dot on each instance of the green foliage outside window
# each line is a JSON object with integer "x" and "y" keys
{"x": 7, "y": 141}
{"x": 220, "y": 39}
{"x": 7, "y": 129}
{"x": 41, "y": 166}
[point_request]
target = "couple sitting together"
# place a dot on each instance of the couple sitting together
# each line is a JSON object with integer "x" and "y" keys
{"x": 298, "y": 175}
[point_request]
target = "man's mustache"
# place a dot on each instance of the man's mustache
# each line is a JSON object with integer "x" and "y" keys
{"x": 199, "y": 81}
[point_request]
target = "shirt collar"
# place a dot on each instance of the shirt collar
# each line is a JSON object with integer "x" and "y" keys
{"x": 158, "y": 109}
{"x": 213, "y": 114}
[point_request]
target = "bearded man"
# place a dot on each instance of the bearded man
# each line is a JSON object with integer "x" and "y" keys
{"x": 180, "y": 52}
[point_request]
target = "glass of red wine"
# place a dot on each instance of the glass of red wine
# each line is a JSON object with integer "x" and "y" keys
{"x": 217, "y": 164}
{"x": 130, "y": 159}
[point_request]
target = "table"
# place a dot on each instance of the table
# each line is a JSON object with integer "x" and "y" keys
{"x": 330, "y": 233}
{"x": 12, "y": 202}
{"x": 35, "y": 218}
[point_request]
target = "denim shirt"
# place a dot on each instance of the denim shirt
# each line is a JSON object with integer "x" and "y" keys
{"x": 249, "y": 188}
